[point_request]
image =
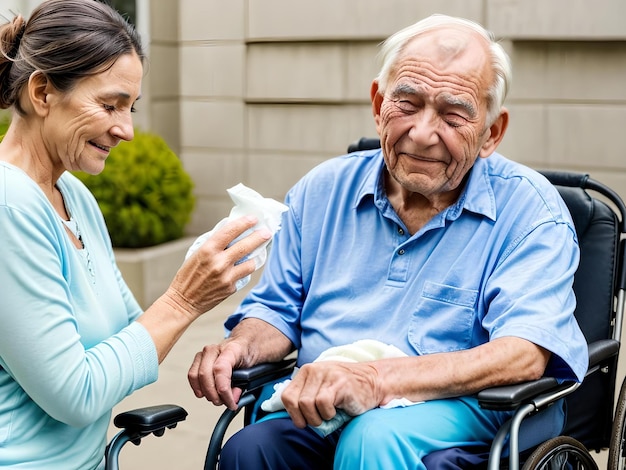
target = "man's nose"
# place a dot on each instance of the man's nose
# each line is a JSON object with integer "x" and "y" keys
{"x": 424, "y": 128}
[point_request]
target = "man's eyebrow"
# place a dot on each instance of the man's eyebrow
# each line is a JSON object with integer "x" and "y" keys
{"x": 449, "y": 99}
{"x": 403, "y": 89}
{"x": 455, "y": 101}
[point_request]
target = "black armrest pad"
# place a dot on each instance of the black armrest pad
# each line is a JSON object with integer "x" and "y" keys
{"x": 260, "y": 374}
{"x": 602, "y": 350}
{"x": 509, "y": 397}
{"x": 150, "y": 418}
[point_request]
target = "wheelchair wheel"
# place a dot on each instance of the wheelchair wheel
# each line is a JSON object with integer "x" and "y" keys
{"x": 560, "y": 453}
{"x": 617, "y": 455}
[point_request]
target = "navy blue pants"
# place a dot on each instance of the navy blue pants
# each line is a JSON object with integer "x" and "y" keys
{"x": 380, "y": 439}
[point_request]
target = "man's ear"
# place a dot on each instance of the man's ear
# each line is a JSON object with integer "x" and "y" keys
{"x": 38, "y": 89}
{"x": 496, "y": 134}
{"x": 377, "y": 100}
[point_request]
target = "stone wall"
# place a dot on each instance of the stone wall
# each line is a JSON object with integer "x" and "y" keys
{"x": 267, "y": 90}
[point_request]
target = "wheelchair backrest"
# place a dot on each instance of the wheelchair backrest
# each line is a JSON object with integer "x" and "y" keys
{"x": 590, "y": 408}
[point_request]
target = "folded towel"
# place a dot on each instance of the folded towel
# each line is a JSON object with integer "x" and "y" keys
{"x": 359, "y": 351}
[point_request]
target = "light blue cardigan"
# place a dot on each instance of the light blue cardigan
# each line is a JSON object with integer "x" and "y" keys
{"x": 69, "y": 348}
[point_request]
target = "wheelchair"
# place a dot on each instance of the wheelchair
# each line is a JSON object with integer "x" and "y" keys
{"x": 592, "y": 425}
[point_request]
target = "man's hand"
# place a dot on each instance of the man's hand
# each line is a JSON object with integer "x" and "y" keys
{"x": 211, "y": 372}
{"x": 320, "y": 387}
{"x": 252, "y": 341}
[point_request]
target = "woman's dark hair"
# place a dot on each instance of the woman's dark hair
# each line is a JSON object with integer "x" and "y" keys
{"x": 66, "y": 40}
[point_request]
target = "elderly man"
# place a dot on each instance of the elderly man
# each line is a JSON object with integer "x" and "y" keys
{"x": 433, "y": 244}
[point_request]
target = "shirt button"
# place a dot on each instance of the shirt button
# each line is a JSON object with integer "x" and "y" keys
{"x": 400, "y": 231}
{"x": 401, "y": 251}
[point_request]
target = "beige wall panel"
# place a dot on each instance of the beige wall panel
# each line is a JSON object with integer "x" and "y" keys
{"x": 163, "y": 71}
{"x": 208, "y": 20}
{"x": 164, "y": 20}
{"x": 326, "y": 129}
{"x": 214, "y": 171}
{"x": 557, "y": 19}
{"x": 526, "y": 138}
{"x": 273, "y": 174}
{"x": 216, "y": 124}
{"x": 587, "y": 136}
{"x": 575, "y": 71}
{"x": 332, "y": 19}
{"x": 296, "y": 72}
{"x": 362, "y": 68}
{"x": 208, "y": 212}
{"x": 212, "y": 70}
{"x": 165, "y": 121}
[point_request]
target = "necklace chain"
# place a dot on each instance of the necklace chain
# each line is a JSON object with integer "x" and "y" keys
{"x": 73, "y": 227}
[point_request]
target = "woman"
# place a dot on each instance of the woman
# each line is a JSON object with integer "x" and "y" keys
{"x": 73, "y": 340}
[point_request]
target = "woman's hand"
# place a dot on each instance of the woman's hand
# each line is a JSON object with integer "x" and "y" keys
{"x": 202, "y": 282}
{"x": 210, "y": 274}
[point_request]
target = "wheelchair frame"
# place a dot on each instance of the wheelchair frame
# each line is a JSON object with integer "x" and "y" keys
{"x": 526, "y": 398}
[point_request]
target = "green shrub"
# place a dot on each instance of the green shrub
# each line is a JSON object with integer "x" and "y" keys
{"x": 5, "y": 120}
{"x": 144, "y": 193}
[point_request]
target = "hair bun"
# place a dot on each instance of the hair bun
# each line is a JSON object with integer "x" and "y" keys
{"x": 11, "y": 36}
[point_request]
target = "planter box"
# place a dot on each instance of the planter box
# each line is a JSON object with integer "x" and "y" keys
{"x": 149, "y": 271}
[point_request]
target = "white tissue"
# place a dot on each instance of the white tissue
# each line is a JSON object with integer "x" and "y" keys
{"x": 248, "y": 202}
{"x": 359, "y": 351}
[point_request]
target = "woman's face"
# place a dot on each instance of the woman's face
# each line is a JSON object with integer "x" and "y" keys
{"x": 83, "y": 124}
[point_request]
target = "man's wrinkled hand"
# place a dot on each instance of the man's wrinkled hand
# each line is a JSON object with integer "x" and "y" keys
{"x": 319, "y": 388}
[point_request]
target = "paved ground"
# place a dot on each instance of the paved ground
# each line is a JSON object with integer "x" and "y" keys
{"x": 184, "y": 448}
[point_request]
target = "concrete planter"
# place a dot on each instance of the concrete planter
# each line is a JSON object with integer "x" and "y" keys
{"x": 149, "y": 271}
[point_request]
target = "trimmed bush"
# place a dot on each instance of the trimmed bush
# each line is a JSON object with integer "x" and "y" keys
{"x": 5, "y": 120}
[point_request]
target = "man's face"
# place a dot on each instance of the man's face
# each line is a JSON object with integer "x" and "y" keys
{"x": 432, "y": 116}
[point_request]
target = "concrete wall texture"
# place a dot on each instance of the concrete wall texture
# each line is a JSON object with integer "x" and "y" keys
{"x": 260, "y": 92}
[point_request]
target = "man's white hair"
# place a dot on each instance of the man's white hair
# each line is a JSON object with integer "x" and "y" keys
{"x": 500, "y": 62}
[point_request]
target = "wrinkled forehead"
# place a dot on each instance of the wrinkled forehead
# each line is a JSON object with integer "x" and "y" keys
{"x": 449, "y": 49}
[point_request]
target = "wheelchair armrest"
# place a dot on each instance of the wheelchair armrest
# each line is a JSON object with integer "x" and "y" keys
{"x": 510, "y": 397}
{"x": 250, "y": 380}
{"x": 139, "y": 423}
{"x": 151, "y": 418}
{"x": 260, "y": 374}
{"x": 600, "y": 351}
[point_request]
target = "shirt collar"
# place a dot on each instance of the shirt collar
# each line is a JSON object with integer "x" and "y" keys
{"x": 477, "y": 196}
{"x": 373, "y": 183}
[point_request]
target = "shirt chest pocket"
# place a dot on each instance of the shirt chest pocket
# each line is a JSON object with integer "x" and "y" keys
{"x": 444, "y": 319}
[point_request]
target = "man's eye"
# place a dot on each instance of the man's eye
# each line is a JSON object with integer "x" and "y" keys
{"x": 406, "y": 105}
{"x": 454, "y": 120}
{"x": 108, "y": 107}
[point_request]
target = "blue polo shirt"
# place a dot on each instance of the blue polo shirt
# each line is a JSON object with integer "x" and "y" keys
{"x": 499, "y": 262}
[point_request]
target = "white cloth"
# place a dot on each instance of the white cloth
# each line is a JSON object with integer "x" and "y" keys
{"x": 359, "y": 351}
{"x": 248, "y": 202}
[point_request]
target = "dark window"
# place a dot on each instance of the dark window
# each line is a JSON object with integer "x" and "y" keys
{"x": 127, "y": 8}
